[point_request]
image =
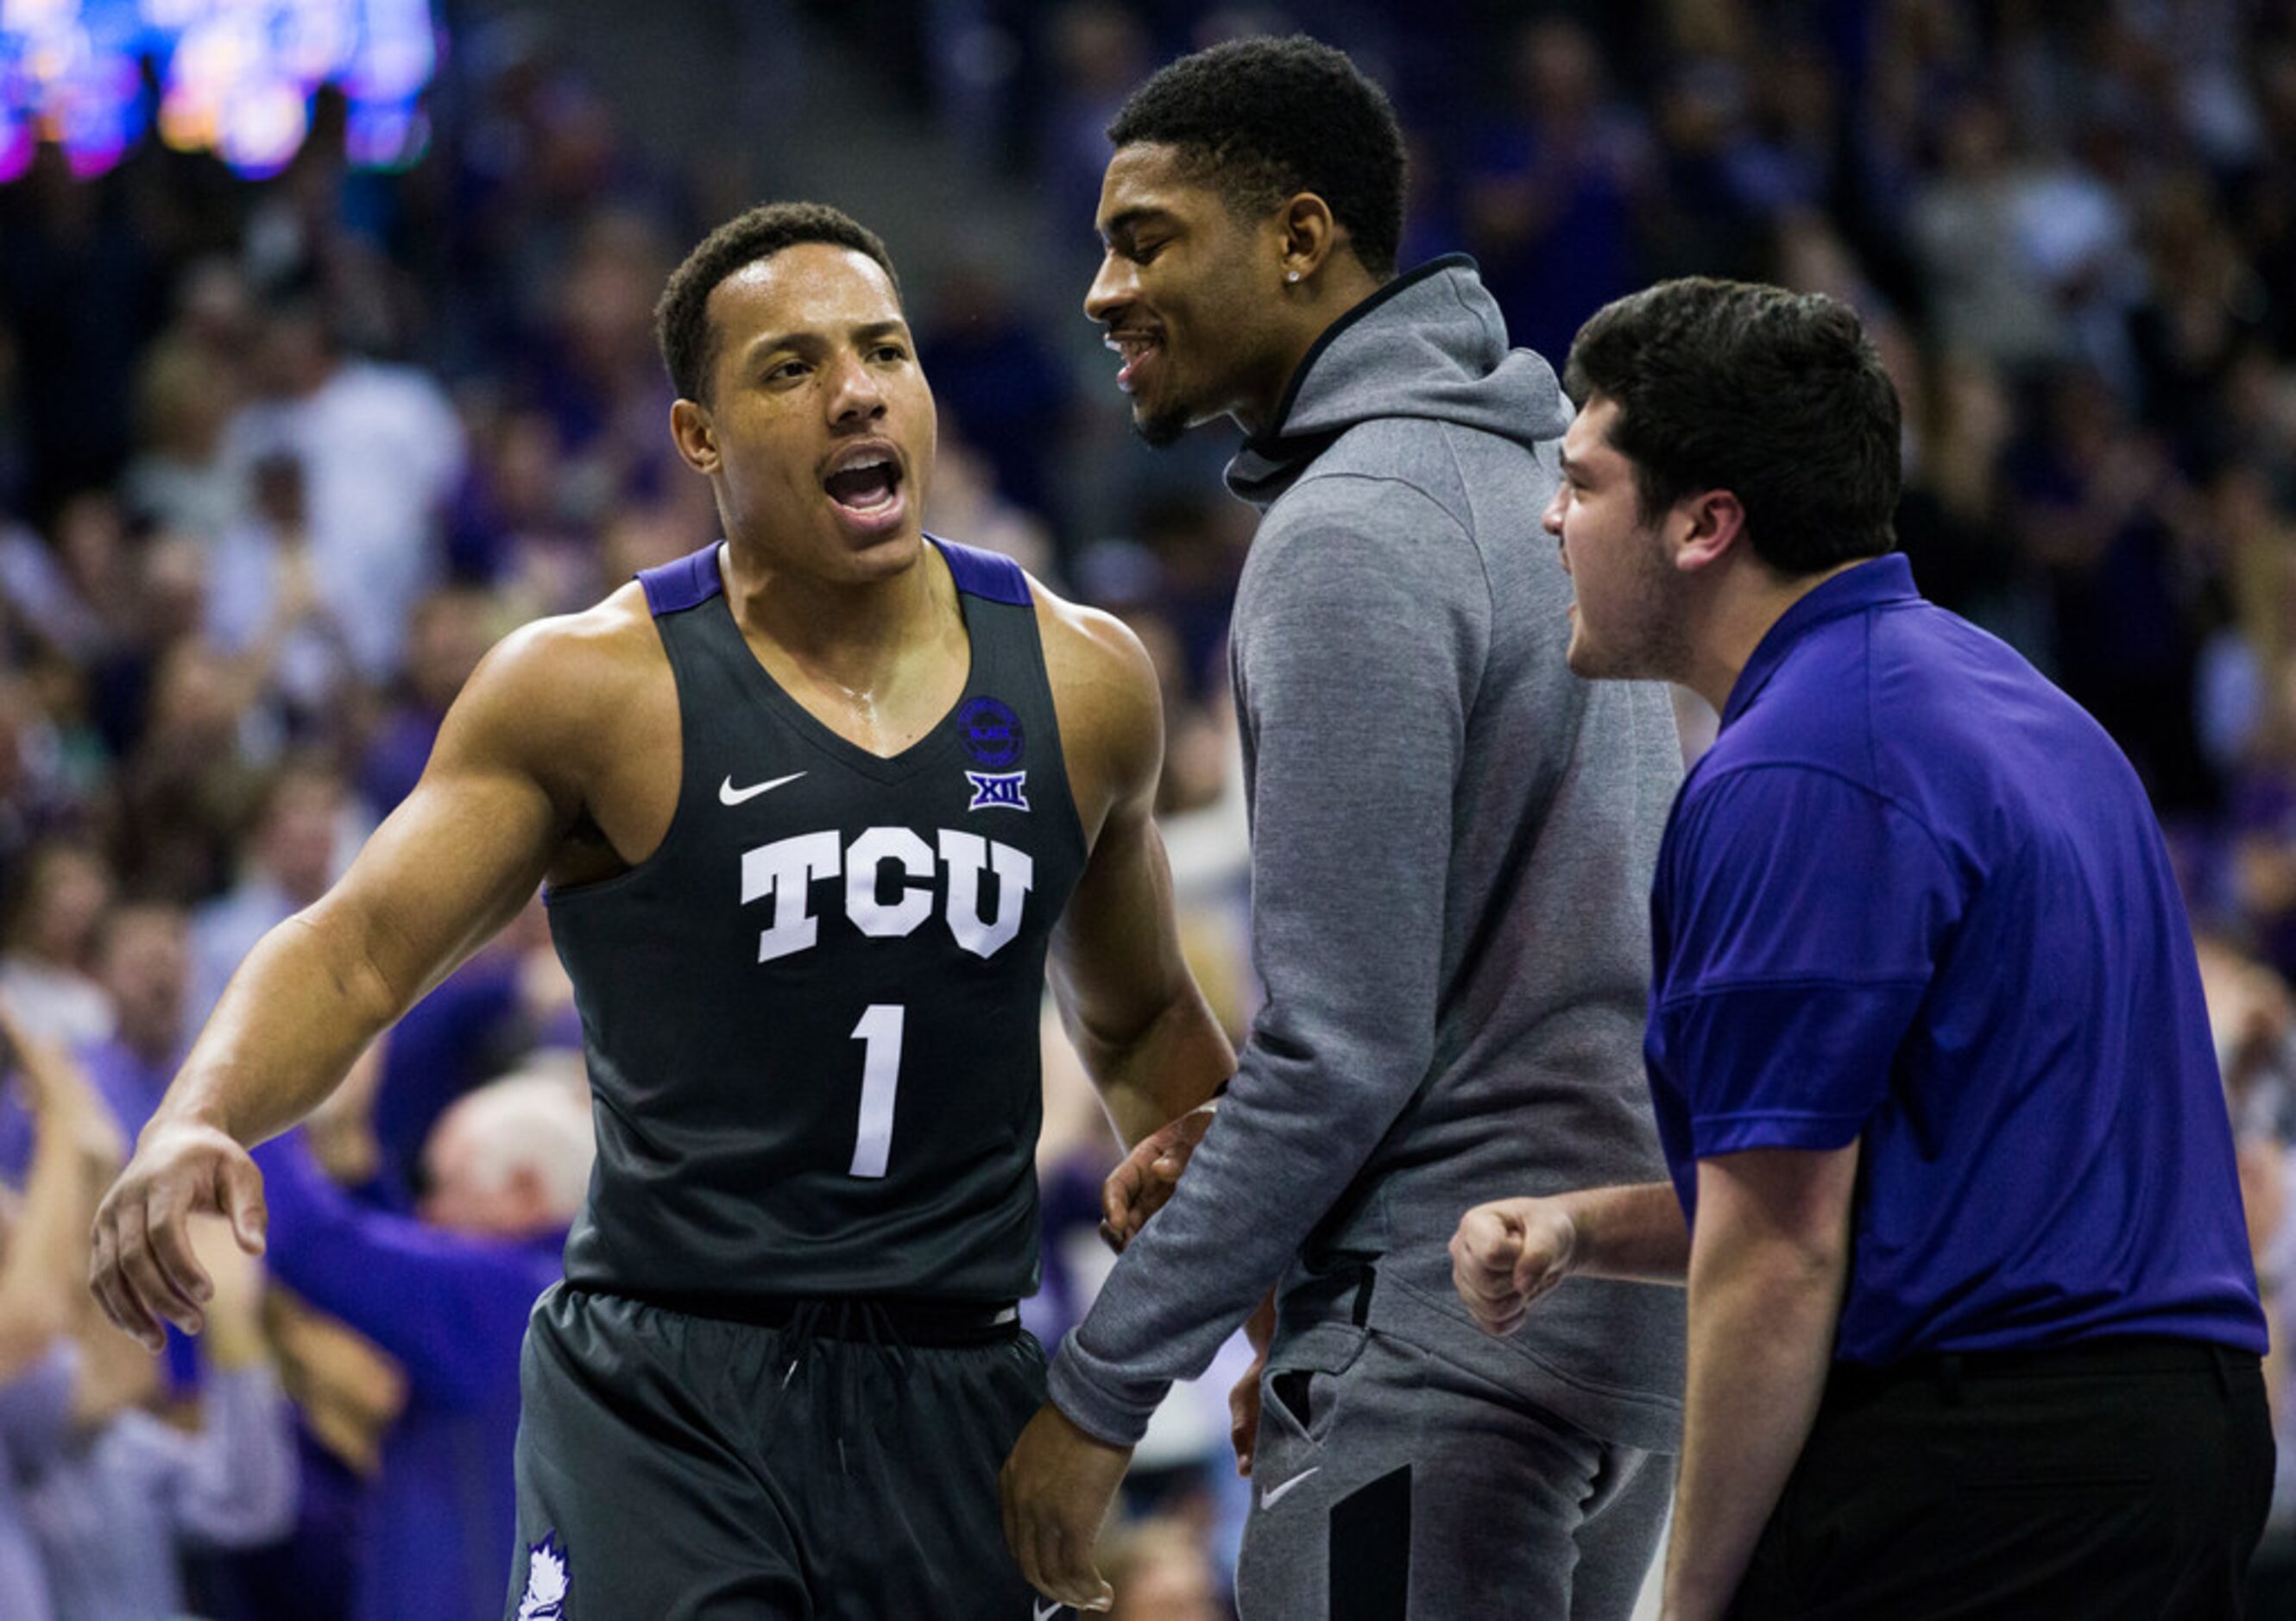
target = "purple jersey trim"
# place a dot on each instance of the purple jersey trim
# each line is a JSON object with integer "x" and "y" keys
{"x": 694, "y": 579}
{"x": 985, "y": 574}
{"x": 687, "y": 583}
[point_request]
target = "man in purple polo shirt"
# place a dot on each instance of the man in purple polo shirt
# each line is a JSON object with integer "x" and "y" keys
{"x": 1972, "y": 1325}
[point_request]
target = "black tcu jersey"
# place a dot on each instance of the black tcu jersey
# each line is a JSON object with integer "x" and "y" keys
{"x": 811, "y": 1015}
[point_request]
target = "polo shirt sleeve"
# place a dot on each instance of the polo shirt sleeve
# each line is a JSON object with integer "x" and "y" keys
{"x": 1801, "y": 916}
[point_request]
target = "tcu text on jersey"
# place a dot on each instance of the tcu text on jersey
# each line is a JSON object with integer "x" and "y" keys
{"x": 786, "y": 870}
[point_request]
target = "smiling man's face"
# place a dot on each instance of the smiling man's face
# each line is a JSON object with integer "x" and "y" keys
{"x": 1188, "y": 293}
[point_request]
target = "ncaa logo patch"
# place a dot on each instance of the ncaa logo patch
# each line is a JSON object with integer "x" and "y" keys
{"x": 546, "y": 1580}
{"x": 997, "y": 791}
{"x": 991, "y": 732}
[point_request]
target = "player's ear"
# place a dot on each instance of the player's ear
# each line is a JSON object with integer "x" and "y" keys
{"x": 1310, "y": 232}
{"x": 1707, "y": 525}
{"x": 695, "y": 434}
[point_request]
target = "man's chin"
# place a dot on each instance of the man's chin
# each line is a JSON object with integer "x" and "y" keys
{"x": 1588, "y": 663}
{"x": 1161, "y": 429}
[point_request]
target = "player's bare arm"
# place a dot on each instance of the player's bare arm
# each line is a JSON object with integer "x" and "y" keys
{"x": 521, "y": 784}
{"x": 1144, "y": 1032}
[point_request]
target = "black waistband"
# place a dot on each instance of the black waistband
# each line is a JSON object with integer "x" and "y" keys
{"x": 2113, "y": 1354}
{"x": 866, "y": 1318}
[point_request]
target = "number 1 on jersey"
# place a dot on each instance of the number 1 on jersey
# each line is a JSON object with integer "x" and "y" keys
{"x": 880, "y": 1034}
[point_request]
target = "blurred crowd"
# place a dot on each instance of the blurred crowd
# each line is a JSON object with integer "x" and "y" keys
{"x": 279, "y": 461}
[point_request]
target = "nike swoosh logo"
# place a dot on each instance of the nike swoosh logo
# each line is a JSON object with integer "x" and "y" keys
{"x": 1271, "y": 1495}
{"x": 1046, "y": 1612}
{"x": 727, "y": 794}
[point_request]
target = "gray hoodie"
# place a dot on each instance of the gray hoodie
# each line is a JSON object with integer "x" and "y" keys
{"x": 1453, "y": 838}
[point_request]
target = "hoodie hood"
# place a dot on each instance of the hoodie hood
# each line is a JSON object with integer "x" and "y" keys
{"x": 1430, "y": 344}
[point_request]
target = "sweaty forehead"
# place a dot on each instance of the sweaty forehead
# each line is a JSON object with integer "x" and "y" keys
{"x": 809, "y": 287}
{"x": 1147, "y": 179}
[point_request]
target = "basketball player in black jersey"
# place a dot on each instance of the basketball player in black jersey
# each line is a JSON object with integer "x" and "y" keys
{"x": 811, "y": 807}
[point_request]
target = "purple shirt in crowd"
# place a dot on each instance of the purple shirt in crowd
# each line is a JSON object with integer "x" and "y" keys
{"x": 452, "y": 1309}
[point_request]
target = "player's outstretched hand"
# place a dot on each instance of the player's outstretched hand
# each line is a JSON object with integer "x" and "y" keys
{"x": 1057, "y": 1486}
{"x": 1138, "y": 1189}
{"x": 1508, "y": 1253}
{"x": 143, "y": 1269}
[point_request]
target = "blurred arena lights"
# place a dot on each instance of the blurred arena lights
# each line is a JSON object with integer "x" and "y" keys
{"x": 232, "y": 77}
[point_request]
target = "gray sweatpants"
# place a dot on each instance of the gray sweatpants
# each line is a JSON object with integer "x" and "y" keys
{"x": 1389, "y": 1483}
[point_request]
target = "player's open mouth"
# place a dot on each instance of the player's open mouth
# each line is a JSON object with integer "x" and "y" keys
{"x": 1135, "y": 347}
{"x": 865, "y": 480}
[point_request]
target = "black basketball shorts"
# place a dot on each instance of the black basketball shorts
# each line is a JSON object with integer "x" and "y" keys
{"x": 674, "y": 1465}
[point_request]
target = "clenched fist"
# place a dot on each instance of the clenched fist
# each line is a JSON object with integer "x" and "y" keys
{"x": 1507, "y": 1254}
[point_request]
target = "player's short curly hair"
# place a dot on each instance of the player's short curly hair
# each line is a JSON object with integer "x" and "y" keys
{"x": 681, "y": 320}
{"x": 1777, "y": 397}
{"x": 1262, "y": 120}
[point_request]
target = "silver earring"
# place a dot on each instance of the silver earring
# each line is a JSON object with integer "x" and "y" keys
{"x": 1291, "y": 276}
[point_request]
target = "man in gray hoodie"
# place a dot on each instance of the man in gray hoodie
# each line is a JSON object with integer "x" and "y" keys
{"x": 1453, "y": 837}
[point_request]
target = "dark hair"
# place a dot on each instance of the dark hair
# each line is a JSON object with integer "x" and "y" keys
{"x": 681, "y": 320}
{"x": 1262, "y": 120}
{"x": 1776, "y": 397}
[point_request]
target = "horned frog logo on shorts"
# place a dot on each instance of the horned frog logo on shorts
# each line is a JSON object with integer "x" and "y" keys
{"x": 544, "y": 1598}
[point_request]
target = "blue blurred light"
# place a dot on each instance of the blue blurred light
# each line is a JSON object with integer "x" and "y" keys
{"x": 235, "y": 77}
{"x": 387, "y": 135}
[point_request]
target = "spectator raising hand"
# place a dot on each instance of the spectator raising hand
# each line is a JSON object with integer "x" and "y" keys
{"x": 76, "y": 1150}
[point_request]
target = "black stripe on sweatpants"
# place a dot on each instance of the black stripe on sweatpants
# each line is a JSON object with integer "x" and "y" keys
{"x": 1371, "y": 1551}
